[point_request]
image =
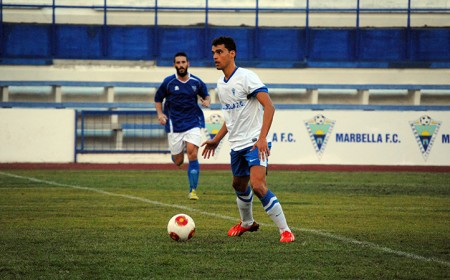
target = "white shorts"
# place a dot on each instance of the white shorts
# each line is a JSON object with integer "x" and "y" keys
{"x": 177, "y": 140}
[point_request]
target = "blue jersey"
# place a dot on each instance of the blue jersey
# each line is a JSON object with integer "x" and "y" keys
{"x": 181, "y": 102}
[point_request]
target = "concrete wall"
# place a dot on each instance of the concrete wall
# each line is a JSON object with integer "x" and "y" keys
{"x": 411, "y": 138}
{"x": 37, "y": 136}
{"x": 114, "y": 71}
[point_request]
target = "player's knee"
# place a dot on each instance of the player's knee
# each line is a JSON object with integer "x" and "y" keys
{"x": 239, "y": 185}
{"x": 192, "y": 153}
{"x": 192, "y": 156}
{"x": 259, "y": 189}
{"x": 258, "y": 181}
{"x": 178, "y": 160}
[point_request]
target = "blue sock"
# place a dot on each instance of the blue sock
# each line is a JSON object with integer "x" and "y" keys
{"x": 193, "y": 174}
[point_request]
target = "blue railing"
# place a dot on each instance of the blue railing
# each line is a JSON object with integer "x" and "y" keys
{"x": 413, "y": 94}
{"x": 136, "y": 131}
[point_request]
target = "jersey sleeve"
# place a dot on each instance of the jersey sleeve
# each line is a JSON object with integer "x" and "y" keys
{"x": 161, "y": 92}
{"x": 203, "y": 92}
{"x": 254, "y": 84}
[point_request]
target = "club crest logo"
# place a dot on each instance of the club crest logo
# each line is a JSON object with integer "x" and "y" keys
{"x": 425, "y": 130}
{"x": 213, "y": 124}
{"x": 319, "y": 129}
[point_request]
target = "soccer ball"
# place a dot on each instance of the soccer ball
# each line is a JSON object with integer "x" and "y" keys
{"x": 425, "y": 120}
{"x": 319, "y": 119}
{"x": 181, "y": 227}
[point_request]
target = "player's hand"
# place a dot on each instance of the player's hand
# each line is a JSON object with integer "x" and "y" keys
{"x": 205, "y": 102}
{"x": 162, "y": 119}
{"x": 263, "y": 149}
{"x": 210, "y": 148}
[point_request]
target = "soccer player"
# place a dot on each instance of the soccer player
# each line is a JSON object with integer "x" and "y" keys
{"x": 182, "y": 116}
{"x": 248, "y": 112}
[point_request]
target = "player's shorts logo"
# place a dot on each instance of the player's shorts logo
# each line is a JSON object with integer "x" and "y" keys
{"x": 319, "y": 129}
{"x": 425, "y": 130}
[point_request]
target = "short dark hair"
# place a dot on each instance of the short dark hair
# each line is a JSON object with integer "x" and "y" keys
{"x": 180, "y": 54}
{"x": 228, "y": 42}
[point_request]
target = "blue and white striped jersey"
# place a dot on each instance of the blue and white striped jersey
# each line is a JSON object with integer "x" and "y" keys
{"x": 181, "y": 102}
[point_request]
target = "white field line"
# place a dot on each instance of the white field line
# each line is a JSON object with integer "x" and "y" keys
{"x": 312, "y": 231}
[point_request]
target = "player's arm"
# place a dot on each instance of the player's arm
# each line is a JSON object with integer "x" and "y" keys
{"x": 269, "y": 110}
{"x": 162, "y": 118}
{"x": 205, "y": 99}
{"x": 160, "y": 95}
{"x": 211, "y": 145}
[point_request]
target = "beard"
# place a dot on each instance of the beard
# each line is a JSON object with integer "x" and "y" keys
{"x": 182, "y": 72}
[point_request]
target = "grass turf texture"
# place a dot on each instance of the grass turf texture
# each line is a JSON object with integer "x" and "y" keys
{"x": 348, "y": 225}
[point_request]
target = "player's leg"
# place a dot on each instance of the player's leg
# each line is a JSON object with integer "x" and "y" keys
{"x": 176, "y": 146}
{"x": 244, "y": 199}
{"x": 193, "y": 140}
{"x": 178, "y": 159}
{"x": 244, "y": 195}
{"x": 193, "y": 171}
{"x": 268, "y": 199}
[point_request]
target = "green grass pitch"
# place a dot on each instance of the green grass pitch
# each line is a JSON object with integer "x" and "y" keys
{"x": 99, "y": 224}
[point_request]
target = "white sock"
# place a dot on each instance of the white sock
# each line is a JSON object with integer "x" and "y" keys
{"x": 274, "y": 210}
{"x": 245, "y": 205}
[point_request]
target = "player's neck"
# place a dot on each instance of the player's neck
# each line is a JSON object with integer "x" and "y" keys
{"x": 184, "y": 78}
{"x": 229, "y": 70}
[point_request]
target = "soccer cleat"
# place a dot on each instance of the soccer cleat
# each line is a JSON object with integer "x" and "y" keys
{"x": 238, "y": 230}
{"x": 193, "y": 195}
{"x": 287, "y": 236}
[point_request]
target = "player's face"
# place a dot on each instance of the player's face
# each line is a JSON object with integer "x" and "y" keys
{"x": 222, "y": 56}
{"x": 181, "y": 65}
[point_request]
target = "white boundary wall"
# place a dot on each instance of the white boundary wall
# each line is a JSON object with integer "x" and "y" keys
{"x": 342, "y": 137}
{"x": 361, "y": 138}
{"x": 37, "y": 136}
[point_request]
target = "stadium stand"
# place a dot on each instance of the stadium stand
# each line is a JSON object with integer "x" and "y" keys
{"x": 128, "y": 94}
{"x": 105, "y": 58}
{"x": 115, "y": 36}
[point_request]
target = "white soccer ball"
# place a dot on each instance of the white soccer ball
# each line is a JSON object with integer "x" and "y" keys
{"x": 181, "y": 227}
{"x": 425, "y": 120}
{"x": 319, "y": 119}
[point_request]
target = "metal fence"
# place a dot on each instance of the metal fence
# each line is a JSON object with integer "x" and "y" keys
{"x": 128, "y": 131}
{"x": 307, "y": 8}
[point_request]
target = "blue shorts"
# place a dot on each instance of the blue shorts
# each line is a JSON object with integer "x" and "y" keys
{"x": 242, "y": 160}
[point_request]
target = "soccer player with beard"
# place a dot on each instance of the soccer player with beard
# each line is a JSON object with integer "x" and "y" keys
{"x": 182, "y": 116}
{"x": 248, "y": 112}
